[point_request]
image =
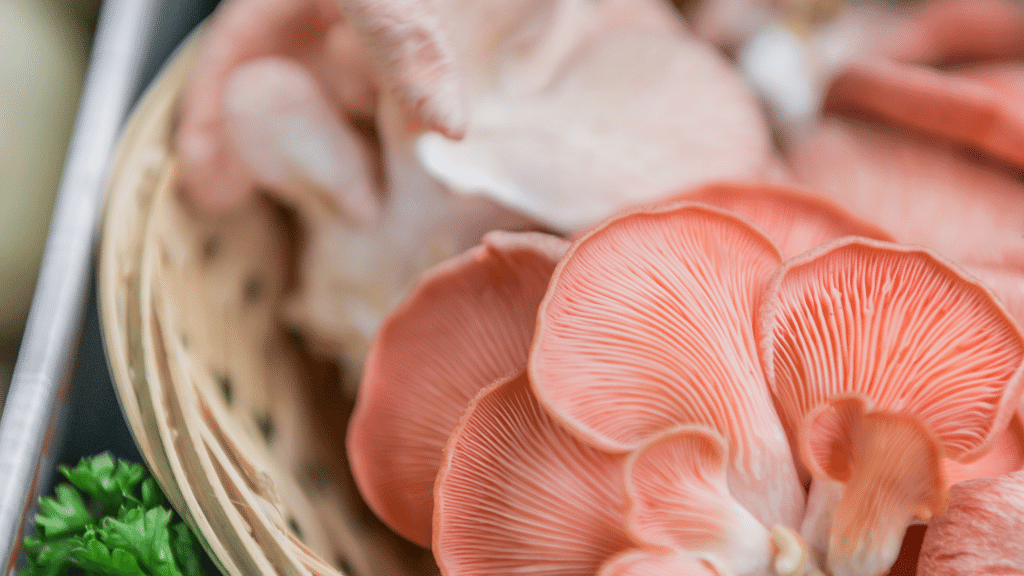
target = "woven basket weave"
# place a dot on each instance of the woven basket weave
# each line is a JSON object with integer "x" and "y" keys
{"x": 241, "y": 427}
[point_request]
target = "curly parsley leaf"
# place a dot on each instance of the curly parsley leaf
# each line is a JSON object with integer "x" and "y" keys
{"x": 64, "y": 513}
{"x": 121, "y": 527}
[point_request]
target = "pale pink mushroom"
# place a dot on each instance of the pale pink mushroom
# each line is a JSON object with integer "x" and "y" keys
{"x": 579, "y": 109}
{"x": 884, "y": 360}
{"x": 467, "y": 323}
{"x": 308, "y": 32}
{"x": 795, "y": 219}
{"x": 518, "y": 493}
{"x": 292, "y": 141}
{"x": 648, "y": 325}
{"x": 679, "y": 500}
{"x": 980, "y": 531}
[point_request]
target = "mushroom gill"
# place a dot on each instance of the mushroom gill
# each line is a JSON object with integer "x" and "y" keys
{"x": 414, "y": 59}
{"x": 517, "y": 493}
{"x": 679, "y": 499}
{"x": 467, "y": 323}
{"x": 647, "y": 326}
{"x": 640, "y": 563}
{"x": 928, "y": 358}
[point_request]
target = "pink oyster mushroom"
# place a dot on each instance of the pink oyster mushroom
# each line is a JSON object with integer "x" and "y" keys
{"x": 941, "y": 157}
{"x": 457, "y": 306}
{"x": 928, "y": 155}
{"x": 466, "y": 323}
{"x": 792, "y": 50}
{"x": 425, "y": 356}
{"x": 513, "y": 455}
{"x": 353, "y": 116}
{"x": 543, "y": 517}
{"x": 880, "y": 375}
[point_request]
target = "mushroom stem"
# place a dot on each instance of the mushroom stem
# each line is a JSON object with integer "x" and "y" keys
{"x": 822, "y": 500}
{"x": 896, "y": 476}
{"x": 791, "y": 554}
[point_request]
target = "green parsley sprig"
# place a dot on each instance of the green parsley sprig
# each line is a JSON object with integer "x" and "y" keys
{"x": 112, "y": 519}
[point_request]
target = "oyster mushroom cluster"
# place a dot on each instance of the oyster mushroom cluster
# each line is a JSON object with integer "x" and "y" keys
{"x": 605, "y": 324}
{"x": 651, "y": 400}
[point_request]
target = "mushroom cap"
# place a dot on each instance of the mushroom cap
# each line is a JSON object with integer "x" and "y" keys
{"x": 679, "y": 500}
{"x": 540, "y": 130}
{"x": 979, "y": 532}
{"x": 467, "y": 323}
{"x": 945, "y": 32}
{"x": 647, "y": 325}
{"x": 517, "y": 492}
{"x": 795, "y": 219}
{"x": 975, "y": 112}
{"x": 922, "y": 191}
{"x": 899, "y": 326}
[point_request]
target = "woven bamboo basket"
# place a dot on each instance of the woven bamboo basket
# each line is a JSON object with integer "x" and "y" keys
{"x": 241, "y": 427}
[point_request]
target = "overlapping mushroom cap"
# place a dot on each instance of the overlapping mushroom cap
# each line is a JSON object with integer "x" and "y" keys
{"x": 467, "y": 323}
{"x": 644, "y": 399}
{"x": 884, "y": 360}
{"x": 648, "y": 325}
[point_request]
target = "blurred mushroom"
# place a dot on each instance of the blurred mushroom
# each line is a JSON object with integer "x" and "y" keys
{"x": 795, "y": 219}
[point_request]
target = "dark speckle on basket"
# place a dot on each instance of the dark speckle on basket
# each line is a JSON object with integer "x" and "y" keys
{"x": 314, "y": 477}
{"x": 211, "y": 247}
{"x": 252, "y": 290}
{"x": 225, "y": 388}
{"x": 266, "y": 425}
{"x": 342, "y": 563}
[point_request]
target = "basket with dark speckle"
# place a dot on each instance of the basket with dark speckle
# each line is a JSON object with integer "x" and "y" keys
{"x": 240, "y": 425}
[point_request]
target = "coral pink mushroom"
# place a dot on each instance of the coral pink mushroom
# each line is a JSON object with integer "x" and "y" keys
{"x": 648, "y": 325}
{"x": 518, "y": 493}
{"x": 467, "y": 323}
{"x": 921, "y": 191}
{"x": 883, "y": 360}
{"x": 980, "y": 532}
{"x": 980, "y": 109}
{"x": 796, "y": 220}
